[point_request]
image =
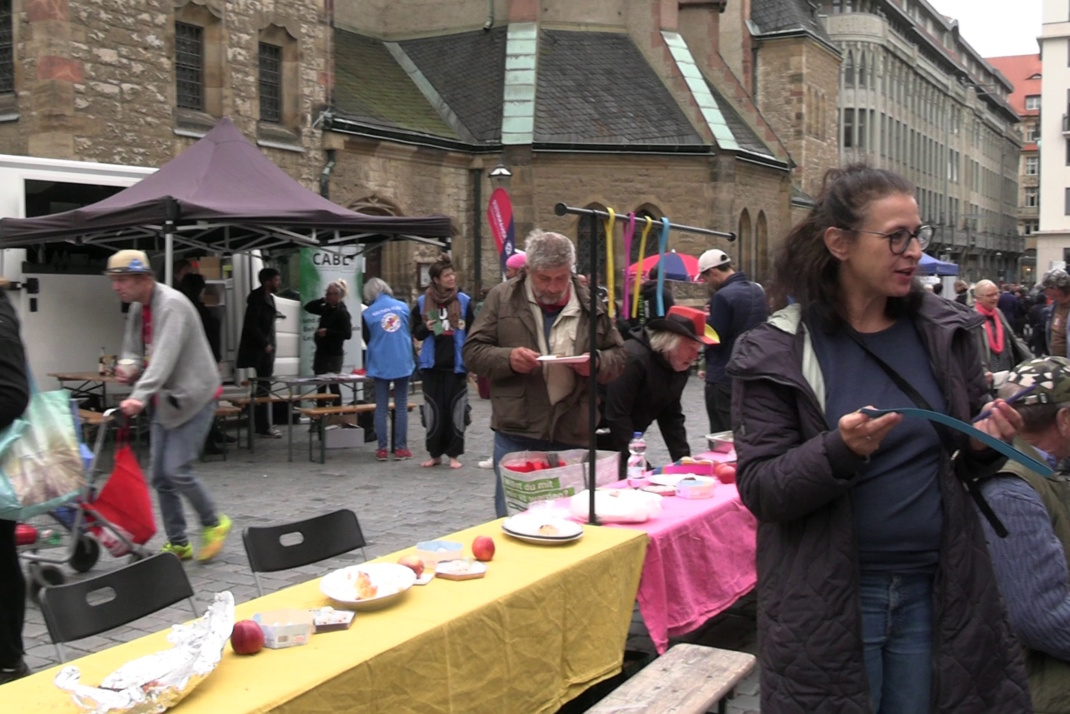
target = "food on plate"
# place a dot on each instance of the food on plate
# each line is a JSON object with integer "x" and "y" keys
{"x": 247, "y": 638}
{"x": 548, "y": 529}
{"x": 483, "y": 548}
{"x": 415, "y": 563}
{"x": 364, "y": 587}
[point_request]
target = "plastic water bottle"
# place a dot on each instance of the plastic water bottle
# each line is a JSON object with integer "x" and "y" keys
{"x": 636, "y": 456}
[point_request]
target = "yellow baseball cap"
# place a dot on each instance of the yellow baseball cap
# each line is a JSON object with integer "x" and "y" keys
{"x": 129, "y": 262}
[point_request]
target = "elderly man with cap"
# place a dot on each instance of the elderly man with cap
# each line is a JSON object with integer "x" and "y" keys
{"x": 179, "y": 377}
{"x": 1056, "y": 285}
{"x": 736, "y": 305}
{"x": 655, "y": 374}
{"x": 1032, "y": 564}
{"x": 544, "y": 312}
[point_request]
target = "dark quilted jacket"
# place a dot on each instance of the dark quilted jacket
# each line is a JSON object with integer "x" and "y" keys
{"x": 795, "y": 476}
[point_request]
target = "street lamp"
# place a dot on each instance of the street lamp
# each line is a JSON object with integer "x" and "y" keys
{"x": 500, "y": 176}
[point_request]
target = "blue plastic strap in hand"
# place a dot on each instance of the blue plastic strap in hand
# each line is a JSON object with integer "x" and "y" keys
{"x": 987, "y": 439}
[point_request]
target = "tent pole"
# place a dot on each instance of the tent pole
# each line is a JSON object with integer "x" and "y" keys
{"x": 169, "y": 251}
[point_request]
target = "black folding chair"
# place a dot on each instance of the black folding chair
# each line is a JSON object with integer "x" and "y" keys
{"x": 92, "y": 606}
{"x": 320, "y": 538}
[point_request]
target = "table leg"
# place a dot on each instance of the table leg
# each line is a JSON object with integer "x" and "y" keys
{"x": 252, "y": 412}
{"x": 290, "y": 419}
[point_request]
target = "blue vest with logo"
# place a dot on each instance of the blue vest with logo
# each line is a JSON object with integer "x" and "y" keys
{"x": 389, "y": 339}
{"x": 427, "y": 351}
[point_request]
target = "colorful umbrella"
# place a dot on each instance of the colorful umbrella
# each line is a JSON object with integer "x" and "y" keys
{"x": 678, "y": 266}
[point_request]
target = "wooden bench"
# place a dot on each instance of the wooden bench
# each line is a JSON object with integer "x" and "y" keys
{"x": 318, "y": 415}
{"x": 222, "y": 413}
{"x": 687, "y": 678}
{"x": 242, "y": 402}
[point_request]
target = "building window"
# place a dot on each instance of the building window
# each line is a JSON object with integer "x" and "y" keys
{"x": 1032, "y": 101}
{"x": 849, "y": 71}
{"x": 1031, "y": 133}
{"x": 1030, "y": 227}
{"x": 189, "y": 65}
{"x": 862, "y": 128}
{"x": 7, "y": 49}
{"x": 270, "y": 83}
{"x": 1032, "y": 196}
{"x": 848, "y": 128}
{"x": 1066, "y": 201}
{"x": 1032, "y": 165}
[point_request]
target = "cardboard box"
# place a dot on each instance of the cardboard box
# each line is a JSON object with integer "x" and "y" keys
{"x": 285, "y": 628}
{"x": 210, "y": 267}
{"x": 338, "y": 437}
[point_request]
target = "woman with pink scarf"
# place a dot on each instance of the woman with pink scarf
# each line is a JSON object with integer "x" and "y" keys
{"x": 1000, "y": 350}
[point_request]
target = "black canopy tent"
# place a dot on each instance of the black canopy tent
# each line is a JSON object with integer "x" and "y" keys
{"x": 223, "y": 196}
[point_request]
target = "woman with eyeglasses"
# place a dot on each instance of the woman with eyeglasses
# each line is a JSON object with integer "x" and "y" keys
{"x": 875, "y": 591}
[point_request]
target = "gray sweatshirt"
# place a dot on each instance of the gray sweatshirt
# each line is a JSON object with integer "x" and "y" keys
{"x": 181, "y": 372}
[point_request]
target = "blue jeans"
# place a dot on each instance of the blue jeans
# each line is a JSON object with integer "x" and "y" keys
{"x": 401, "y": 412}
{"x": 897, "y": 626}
{"x": 507, "y": 444}
{"x": 172, "y": 454}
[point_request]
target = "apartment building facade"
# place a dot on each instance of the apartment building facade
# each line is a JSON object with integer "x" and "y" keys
{"x": 1053, "y": 238}
{"x": 916, "y": 98}
{"x": 1024, "y": 72}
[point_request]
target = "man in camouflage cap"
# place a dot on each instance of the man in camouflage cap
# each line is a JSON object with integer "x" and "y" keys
{"x": 1032, "y": 564}
{"x": 1056, "y": 284}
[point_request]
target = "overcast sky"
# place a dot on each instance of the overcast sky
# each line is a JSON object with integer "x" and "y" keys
{"x": 996, "y": 28}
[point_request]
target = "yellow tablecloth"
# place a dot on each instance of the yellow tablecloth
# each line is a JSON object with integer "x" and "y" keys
{"x": 546, "y": 623}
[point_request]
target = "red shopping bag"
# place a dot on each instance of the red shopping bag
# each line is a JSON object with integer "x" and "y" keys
{"x": 124, "y": 501}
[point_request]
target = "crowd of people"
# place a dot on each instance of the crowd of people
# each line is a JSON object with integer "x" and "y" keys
{"x": 902, "y": 565}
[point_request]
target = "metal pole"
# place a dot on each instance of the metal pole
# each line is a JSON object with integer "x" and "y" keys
{"x": 592, "y": 386}
{"x": 561, "y": 209}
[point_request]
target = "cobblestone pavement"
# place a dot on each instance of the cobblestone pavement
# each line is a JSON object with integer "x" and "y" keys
{"x": 398, "y": 504}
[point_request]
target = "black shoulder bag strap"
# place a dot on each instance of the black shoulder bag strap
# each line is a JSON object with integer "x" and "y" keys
{"x": 945, "y": 438}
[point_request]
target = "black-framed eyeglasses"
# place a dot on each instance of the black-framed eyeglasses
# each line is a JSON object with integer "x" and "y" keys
{"x": 899, "y": 240}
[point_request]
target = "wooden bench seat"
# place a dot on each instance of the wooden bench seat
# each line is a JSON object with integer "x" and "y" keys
{"x": 318, "y": 416}
{"x": 242, "y": 402}
{"x": 687, "y": 678}
{"x": 89, "y": 417}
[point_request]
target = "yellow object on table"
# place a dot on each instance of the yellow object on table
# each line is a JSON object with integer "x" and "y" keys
{"x": 546, "y": 623}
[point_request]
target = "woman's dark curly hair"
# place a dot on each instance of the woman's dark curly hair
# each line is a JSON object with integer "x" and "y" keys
{"x": 805, "y": 271}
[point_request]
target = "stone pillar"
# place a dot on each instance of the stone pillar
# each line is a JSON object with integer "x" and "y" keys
{"x": 51, "y": 90}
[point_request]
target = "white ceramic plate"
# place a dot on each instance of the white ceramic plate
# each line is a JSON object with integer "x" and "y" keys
{"x": 667, "y": 479}
{"x": 390, "y": 580}
{"x": 526, "y": 527}
{"x": 570, "y": 359}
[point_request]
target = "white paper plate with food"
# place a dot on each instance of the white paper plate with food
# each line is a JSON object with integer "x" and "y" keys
{"x": 543, "y": 530}
{"x": 564, "y": 359}
{"x": 367, "y": 586}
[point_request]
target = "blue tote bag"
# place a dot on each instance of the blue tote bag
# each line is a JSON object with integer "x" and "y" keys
{"x": 41, "y": 464}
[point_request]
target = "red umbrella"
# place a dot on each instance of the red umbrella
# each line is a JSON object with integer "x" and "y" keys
{"x": 678, "y": 266}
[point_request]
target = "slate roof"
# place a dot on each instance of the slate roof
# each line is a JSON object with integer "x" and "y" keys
{"x": 597, "y": 88}
{"x": 468, "y": 72}
{"x": 371, "y": 87}
{"x": 747, "y": 138}
{"x": 786, "y": 15}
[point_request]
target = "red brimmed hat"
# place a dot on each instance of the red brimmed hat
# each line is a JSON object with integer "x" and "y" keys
{"x": 686, "y": 321}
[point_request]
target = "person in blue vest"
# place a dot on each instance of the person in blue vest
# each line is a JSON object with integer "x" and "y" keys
{"x": 386, "y": 324}
{"x": 441, "y": 319}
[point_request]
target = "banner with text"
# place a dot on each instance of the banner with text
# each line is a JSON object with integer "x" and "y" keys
{"x": 500, "y": 218}
{"x": 318, "y": 268}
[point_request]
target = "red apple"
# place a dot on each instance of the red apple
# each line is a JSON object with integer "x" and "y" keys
{"x": 247, "y": 637}
{"x": 483, "y": 548}
{"x": 725, "y": 473}
{"x": 413, "y": 562}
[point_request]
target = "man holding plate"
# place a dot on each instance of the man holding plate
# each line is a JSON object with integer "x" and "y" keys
{"x": 523, "y": 339}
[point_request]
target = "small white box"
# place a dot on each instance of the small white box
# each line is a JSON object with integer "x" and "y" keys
{"x": 285, "y": 628}
{"x": 339, "y": 437}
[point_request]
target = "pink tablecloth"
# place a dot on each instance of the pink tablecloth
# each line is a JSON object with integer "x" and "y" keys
{"x": 700, "y": 560}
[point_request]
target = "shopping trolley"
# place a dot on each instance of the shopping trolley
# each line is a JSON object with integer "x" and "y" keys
{"x": 113, "y": 512}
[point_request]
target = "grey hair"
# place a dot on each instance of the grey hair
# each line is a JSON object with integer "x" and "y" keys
{"x": 341, "y": 285}
{"x": 548, "y": 251}
{"x": 663, "y": 341}
{"x": 982, "y": 285}
{"x": 374, "y": 288}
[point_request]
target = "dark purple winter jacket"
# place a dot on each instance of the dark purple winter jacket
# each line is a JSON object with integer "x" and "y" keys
{"x": 795, "y": 476}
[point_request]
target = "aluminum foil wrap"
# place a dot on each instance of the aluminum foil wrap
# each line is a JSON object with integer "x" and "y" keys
{"x": 159, "y": 681}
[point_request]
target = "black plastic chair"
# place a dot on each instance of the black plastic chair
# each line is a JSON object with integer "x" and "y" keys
{"x": 76, "y": 610}
{"x": 321, "y": 537}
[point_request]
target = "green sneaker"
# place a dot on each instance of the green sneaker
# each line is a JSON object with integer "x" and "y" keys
{"x": 183, "y": 552}
{"x": 213, "y": 539}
